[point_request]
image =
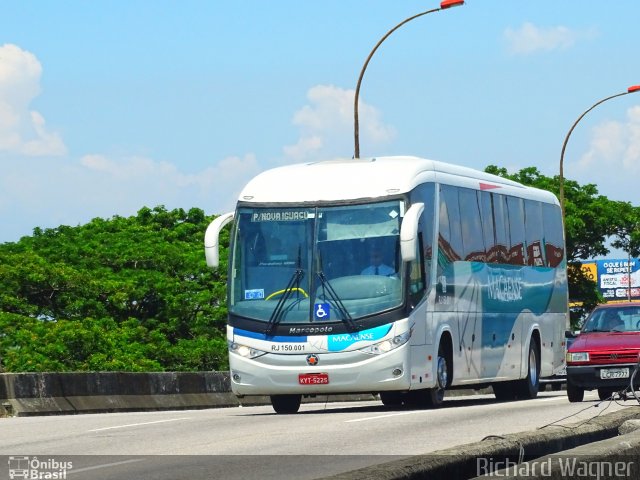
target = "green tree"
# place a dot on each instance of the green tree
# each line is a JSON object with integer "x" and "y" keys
{"x": 128, "y": 293}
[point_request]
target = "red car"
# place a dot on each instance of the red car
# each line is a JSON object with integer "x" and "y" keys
{"x": 605, "y": 353}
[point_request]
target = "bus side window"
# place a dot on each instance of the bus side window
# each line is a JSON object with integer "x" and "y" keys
{"x": 515, "y": 210}
{"x": 450, "y": 236}
{"x": 488, "y": 231}
{"x": 552, "y": 220}
{"x": 472, "y": 235}
{"x": 425, "y": 193}
{"x": 417, "y": 283}
{"x": 500, "y": 225}
{"x": 533, "y": 233}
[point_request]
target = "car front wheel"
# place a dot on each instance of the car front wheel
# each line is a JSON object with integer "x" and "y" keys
{"x": 575, "y": 393}
{"x": 605, "y": 393}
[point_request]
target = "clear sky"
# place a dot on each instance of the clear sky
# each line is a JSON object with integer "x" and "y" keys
{"x": 106, "y": 107}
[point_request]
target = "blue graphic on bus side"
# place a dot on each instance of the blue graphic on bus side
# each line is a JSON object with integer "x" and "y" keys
{"x": 339, "y": 342}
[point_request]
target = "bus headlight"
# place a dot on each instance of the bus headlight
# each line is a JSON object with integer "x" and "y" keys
{"x": 577, "y": 357}
{"x": 244, "y": 351}
{"x": 387, "y": 345}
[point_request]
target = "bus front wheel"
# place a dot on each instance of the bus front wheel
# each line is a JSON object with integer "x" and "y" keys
{"x": 392, "y": 399}
{"x": 434, "y": 397}
{"x": 286, "y": 403}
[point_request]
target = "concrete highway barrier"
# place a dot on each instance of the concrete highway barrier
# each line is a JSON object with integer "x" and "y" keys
{"x": 23, "y": 394}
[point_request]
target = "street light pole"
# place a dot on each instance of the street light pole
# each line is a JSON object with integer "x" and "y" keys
{"x": 445, "y": 4}
{"x": 631, "y": 89}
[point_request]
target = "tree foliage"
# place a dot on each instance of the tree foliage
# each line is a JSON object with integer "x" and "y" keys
{"x": 127, "y": 294}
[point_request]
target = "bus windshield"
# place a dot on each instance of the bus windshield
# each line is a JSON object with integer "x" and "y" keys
{"x": 319, "y": 264}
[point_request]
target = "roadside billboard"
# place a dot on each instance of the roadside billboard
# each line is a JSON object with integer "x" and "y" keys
{"x": 618, "y": 278}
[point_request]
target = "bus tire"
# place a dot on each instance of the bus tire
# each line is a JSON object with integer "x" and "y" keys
{"x": 284, "y": 404}
{"x": 434, "y": 397}
{"x": 505, "y": 391}
{"x": 391, "y": 399}
{"x": 575, "y": 393}
{"x": 528, "y": 387}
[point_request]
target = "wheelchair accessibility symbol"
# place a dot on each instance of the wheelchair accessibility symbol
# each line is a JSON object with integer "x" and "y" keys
{"x": 321, "y": 312}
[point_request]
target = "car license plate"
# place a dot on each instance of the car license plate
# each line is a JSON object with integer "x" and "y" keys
{"x": 606, "y": 373}
{"x": 313, "y": 378}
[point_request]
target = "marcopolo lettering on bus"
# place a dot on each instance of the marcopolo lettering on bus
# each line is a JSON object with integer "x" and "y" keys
{"x": 279, "y": 216}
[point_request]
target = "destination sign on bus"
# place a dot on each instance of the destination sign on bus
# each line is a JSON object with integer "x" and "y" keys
{"x": 280, "y": 216}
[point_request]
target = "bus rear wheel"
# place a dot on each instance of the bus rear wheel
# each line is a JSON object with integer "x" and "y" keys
{"x": 505, "y": 391}
{"x": 529, "y": 386}
{"x": 286, "y": 403}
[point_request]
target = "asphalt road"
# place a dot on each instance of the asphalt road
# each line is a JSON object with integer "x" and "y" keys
{"x": 253, "y": 442}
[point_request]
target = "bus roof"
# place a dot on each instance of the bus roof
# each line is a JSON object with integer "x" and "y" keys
{"x": 351, "y": 179}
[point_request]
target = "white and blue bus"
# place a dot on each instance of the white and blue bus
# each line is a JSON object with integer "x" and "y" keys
{"x": 471, "y": 288}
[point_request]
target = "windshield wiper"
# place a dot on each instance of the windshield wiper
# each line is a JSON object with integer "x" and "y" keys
{"x": 276, "y": 315}
{"x": 344, "y": 314}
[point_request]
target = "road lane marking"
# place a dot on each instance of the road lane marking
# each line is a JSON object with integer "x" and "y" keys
{"x": 105, "y": 465}
{"x": 138, "y": 424}
{"x": 385, "y": 416}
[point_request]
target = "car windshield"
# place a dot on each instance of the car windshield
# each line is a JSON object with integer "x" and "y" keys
{"x": 614, "y": 319}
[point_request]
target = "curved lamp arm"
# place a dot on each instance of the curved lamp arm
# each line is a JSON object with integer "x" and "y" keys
{"x": 631, "y": 89}
{"x": 445, "y": 4}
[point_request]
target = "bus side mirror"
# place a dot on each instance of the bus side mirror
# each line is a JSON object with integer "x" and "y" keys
{"x": 212, "y": 239}
{"x": 409, "y": 232}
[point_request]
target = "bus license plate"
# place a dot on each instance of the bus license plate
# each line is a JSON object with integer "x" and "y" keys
{"x": 606, "y": 373}
{"x": 313, "y": 378}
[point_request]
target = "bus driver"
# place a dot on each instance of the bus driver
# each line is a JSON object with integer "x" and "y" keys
{"x": 377, "y": 267}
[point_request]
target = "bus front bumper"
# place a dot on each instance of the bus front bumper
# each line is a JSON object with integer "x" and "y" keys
{"x": 345, "y": 372}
